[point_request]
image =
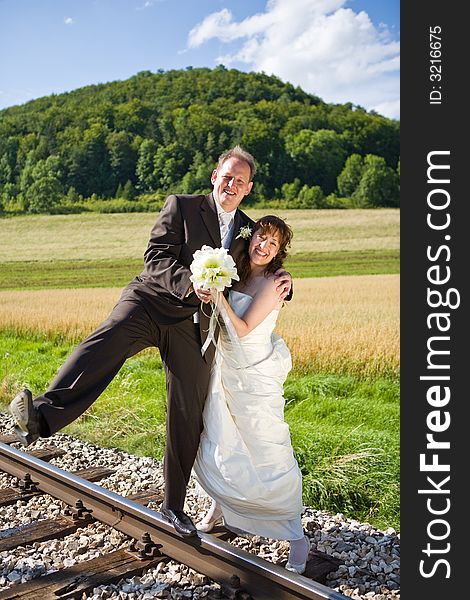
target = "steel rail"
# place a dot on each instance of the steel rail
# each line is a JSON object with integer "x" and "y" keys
{"x": 235, "y": 569}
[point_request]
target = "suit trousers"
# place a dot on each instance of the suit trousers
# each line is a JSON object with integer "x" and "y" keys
{"x": 92, "y": 365}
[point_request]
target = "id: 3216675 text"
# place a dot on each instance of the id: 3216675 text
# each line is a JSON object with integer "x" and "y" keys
{"x": 435, "y": 64}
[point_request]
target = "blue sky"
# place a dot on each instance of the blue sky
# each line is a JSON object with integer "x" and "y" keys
{"x": 340, "y": 50}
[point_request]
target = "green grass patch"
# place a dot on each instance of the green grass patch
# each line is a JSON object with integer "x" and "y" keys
{"x": 69, "y": 273}
{"x": 354, "y": 262}
{"x": 345, "y": 430}
{"x": 120, "y": 271}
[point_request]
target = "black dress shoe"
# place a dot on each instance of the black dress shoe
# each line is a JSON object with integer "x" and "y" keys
{"x": 26, "y": 416}
{"x": 180, "y": 521}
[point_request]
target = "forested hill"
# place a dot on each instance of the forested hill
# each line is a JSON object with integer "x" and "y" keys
{"x": 125, "y": 145}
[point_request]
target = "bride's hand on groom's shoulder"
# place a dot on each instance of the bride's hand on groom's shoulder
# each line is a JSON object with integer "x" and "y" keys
{"x": 283, "y": 281}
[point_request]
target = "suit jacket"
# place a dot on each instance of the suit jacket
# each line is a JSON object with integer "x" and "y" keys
{"x": 184, "y": 225}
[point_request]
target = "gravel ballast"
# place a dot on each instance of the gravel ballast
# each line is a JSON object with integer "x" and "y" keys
{"x": 370, "y": 557}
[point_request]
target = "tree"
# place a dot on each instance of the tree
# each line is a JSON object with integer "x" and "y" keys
{"x": 379, "y": 185}
{"x": 31, "y": 147}
{"x": 122, "y": 158}
{"x": 41, "y": 185}
{"x": 9, "y": 196}
{"x": 350, "y": 177}
{"x": 379, "y": 136}
{"x": 72, "y": 195}
{"x": 26, "y": 177}
{"x": 197, "y": 179}
{"x": 128, "y": 191}
{"x": 6, "y": 172}
{"x": 318, "y": 157}
{"x": 44, "y": 194}
{"x": 146, "y": 180}
{"x": 310, "y": 197}
{"x": 290, "y": 191}
{"x": 169, "y": 167}
{"x": 96, "y": 170}
{"x": 261, "y": 138}
{"x": 167, "y": 129}
{"x": 131, "y": 116}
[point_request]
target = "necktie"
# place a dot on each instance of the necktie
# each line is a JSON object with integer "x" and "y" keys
{"x": 225, "y": 221}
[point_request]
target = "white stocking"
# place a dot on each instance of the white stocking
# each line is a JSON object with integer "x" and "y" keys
{"x": 298, "y": 552}
{"x": 214, "y": 513}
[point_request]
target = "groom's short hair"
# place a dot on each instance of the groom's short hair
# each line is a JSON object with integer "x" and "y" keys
{"x": 238, "y": 152}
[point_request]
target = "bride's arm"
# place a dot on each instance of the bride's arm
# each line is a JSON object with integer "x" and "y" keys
{"x": 265, "y": 300}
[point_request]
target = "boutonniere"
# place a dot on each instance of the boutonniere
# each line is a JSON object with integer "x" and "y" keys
{"x": 245, "y": 232}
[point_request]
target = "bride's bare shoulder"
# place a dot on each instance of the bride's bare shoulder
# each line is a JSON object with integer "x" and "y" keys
{"x": 266, "y": 284}
{"x": 262, "y": 285}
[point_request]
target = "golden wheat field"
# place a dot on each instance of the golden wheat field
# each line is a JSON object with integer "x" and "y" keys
{"x": 344, "y": 324}
{"x": 333, "y": 324}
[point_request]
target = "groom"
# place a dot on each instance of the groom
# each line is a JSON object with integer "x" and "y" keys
{"x": 158, "y": 308}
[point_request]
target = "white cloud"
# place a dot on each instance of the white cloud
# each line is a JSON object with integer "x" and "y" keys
{"x": 69, "y": 20}
{"x": 326, "y": 49}
{"x": 147, "y": 4}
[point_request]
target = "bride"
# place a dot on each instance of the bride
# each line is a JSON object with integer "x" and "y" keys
{"x": 245, "y": 460}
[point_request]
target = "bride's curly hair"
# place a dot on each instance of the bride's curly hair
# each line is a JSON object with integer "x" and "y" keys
{"x": 272, "y": 225}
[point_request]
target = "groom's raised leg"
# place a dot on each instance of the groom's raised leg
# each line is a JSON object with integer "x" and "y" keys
{"x": 91, "y": 367}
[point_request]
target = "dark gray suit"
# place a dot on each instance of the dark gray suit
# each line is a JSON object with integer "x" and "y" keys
{"x": 153, "y": 311}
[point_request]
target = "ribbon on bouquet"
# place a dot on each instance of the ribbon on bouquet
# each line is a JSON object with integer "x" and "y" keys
{"x": 217, "y": 309}
{"x": 213, "y": 322}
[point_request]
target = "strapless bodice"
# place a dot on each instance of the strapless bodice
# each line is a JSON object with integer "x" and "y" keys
{"x": 261, "y": 334}
{"x": 259, "y": 344}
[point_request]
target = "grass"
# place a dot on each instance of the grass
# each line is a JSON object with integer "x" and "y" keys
{"x": 346, "y": 324}
{"x": 345, "y": 435}
{"x": 60, "y": 274}
{"x": 119, "y": 272}
{"x": 347, "y": 262}
{"x": 97, "y": 237}
{"x": 344, "y": 429}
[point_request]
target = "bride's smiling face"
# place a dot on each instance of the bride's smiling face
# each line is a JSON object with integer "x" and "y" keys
{"x": 264, "y": 247}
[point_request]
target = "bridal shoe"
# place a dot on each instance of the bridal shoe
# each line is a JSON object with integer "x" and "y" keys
{"x": 212, "y": 518}
{"x": 296, "y": 568}
{"x": 299, "y": 567}
{"x": 208, "y": 526}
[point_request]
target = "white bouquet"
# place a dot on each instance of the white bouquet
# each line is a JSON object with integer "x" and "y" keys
{"x": 213, "y": 268}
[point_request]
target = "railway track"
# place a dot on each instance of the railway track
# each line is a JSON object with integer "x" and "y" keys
{"x": 241, "y": 575}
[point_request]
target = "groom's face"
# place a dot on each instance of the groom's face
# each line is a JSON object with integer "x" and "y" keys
{"x": 231, "y": 183}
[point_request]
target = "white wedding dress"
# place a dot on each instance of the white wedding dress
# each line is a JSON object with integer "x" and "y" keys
{"x": 245, "y": 459}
